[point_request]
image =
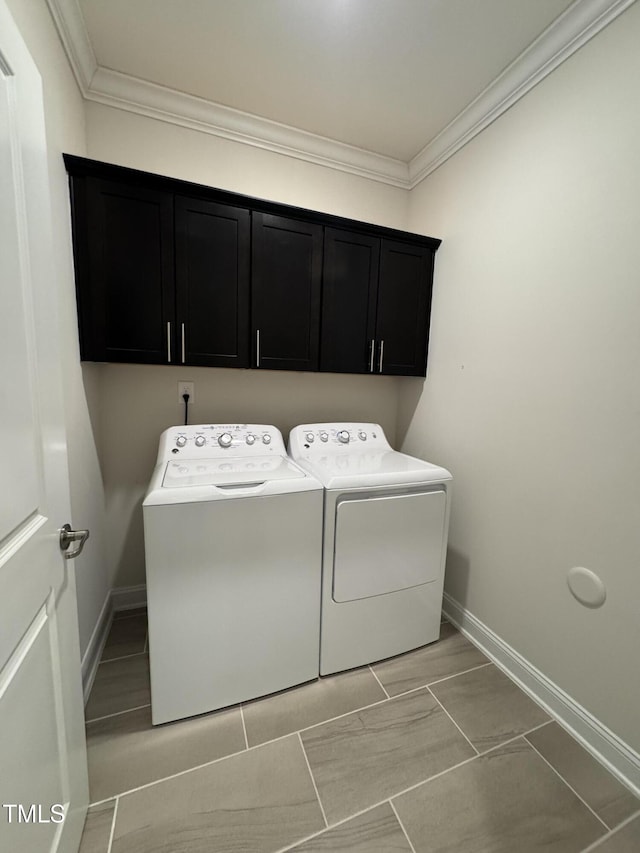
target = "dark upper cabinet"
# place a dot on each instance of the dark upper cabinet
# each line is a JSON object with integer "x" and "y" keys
{"x": 404, "y": 309}
{"x": 124, "y": 246}
{"x": 349, "y": 291}
{"x": 169, "y": 272}
{"x": 285, "y": 292}
{"x": 376, "y": 301}
{"x": 212, "y": 283}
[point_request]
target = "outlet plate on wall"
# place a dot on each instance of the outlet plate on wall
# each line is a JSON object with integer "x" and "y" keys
{"x": 186, "y": 388}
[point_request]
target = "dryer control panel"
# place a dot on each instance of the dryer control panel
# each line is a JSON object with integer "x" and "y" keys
{"x": 320, "y": 439}
{"x": 212, "y": 441}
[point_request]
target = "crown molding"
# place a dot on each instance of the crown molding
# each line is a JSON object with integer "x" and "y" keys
{"x": 73, "y": 34}
{"x": 579, "y": 23}
{"x": 158, "y": 102}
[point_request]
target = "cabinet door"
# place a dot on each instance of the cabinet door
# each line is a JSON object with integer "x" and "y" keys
{"x": 212, "y": 283}
{"x": 286, "y": 277}
{"x": 404, "y": 307}
{"x": 125, "y": 285}
{"x": 349, "y": 286}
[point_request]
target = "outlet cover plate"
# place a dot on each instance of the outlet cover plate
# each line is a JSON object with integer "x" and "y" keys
{"x": 186, "y": 388}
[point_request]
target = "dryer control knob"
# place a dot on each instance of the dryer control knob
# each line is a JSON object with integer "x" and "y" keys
{"x": 266, "y": 438}
{"x": 225, "y": 439}
{"x": 324, "y": 436}
{"x": 362, "y": 435}
{"x": 181, "y": 440}
{"x": 200, "y": 441}
{"x": 251, "y": 439}
{"x": 309, "y": 436}
{"x": 343, "y": 436}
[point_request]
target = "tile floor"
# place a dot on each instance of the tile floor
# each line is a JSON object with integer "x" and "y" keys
{"x": 432, "y": 751}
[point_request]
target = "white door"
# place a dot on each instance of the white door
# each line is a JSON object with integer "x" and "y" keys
{"x": 43, "y": 773}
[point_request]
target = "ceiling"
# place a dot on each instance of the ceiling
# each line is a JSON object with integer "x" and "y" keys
{"x": 386, "y": 88}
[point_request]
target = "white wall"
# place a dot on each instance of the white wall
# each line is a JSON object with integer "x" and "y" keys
{"x": 65, "y": 127}
{"x": 136, "y": 403}
{"x": 533, "y": 393}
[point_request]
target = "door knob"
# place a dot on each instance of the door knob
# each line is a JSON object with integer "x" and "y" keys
{"x": 67, "y": 536}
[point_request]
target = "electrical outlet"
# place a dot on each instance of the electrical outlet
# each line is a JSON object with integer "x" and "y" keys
{"x": 186, "y": 388}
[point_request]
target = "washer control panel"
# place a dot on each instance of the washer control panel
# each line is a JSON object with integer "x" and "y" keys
{"x": 211, "y": 441}
{"x": 320, "y": 439}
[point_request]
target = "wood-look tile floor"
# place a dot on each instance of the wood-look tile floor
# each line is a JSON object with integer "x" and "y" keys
{"x": 434, "y": 751}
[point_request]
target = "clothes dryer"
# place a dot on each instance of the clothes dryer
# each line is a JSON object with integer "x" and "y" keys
{"x": 386, "y": 519}
{"x": 233, "y": 547}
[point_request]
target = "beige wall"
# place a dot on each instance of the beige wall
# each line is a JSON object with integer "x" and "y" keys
{"x": 533, "y": 392}
{"x": 65, "y": 127}
{"x": 116, "y": 136}
{"x": 137, "y": 403}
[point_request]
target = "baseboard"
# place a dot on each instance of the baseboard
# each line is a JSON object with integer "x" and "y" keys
{"x": 128, "y": 597}
{"x": 93, "y": 652}
{"x": 120, "y": 598}
{"x": 605, "y": 746}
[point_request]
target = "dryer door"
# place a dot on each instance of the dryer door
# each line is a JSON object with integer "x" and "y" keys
{"x": 387, "y": 543}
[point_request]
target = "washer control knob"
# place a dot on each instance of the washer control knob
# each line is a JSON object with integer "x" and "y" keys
{"x": 343, "y": 436}
{"x": 309, "y": 436}
{"x": 251, "y": 439}
{"x": 362, "y": 435}
{"x": 200, "y": 441}
{"x": 324, "y": 436}
{"x": 225, "y": 439}
{"x": 266, "y": 438}
{"x": 181, "y": 440}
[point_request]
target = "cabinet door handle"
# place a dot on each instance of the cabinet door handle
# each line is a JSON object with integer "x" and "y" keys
{"x": 381, "y": 356}
{"x": 257, "y": 347}
{"x": 183, "y": 358}
{"x": 169, "y": 342}
{"x": 372, "y": 351}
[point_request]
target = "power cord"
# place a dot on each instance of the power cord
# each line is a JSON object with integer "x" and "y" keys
{"x": 185, "y": 397}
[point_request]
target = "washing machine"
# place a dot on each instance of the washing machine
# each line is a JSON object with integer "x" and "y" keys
{"x": 386, "y": 519}
{"x": 233, "y": 540}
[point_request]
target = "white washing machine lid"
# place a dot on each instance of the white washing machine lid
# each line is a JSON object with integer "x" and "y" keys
{"x": 233, "y": 471}
{"x": 351, "y": 469}
{"x": 199, "y": 480}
